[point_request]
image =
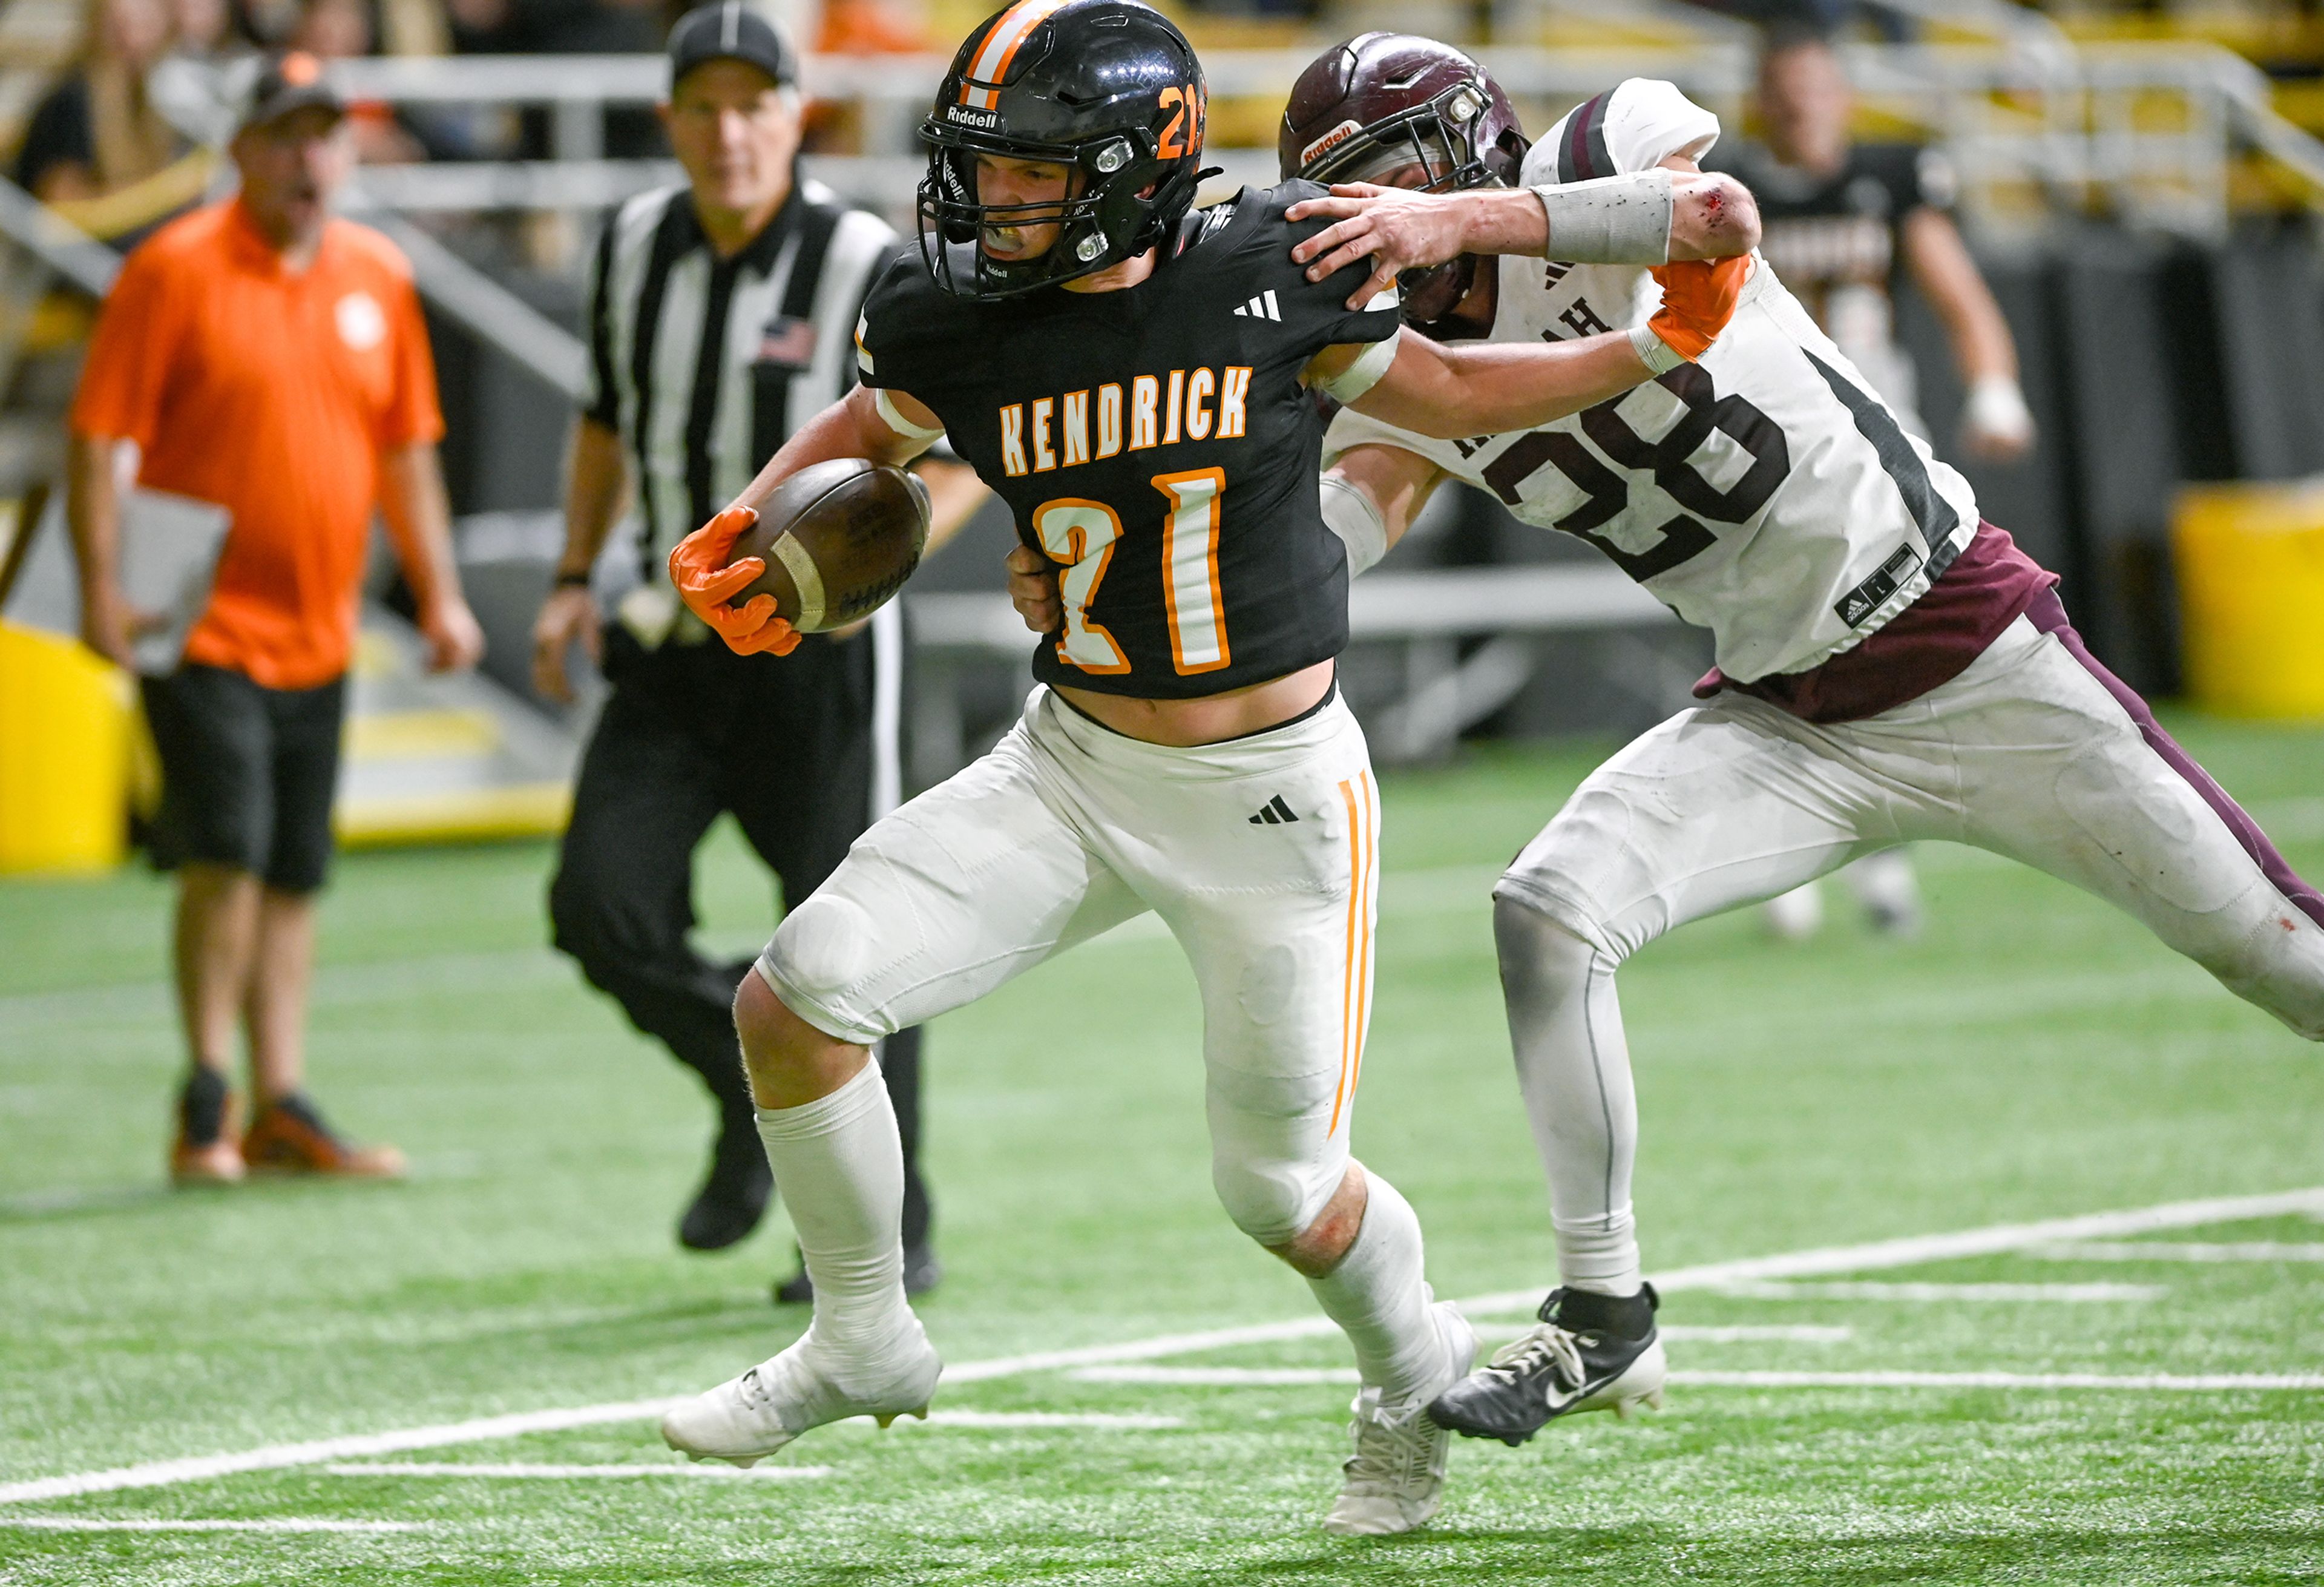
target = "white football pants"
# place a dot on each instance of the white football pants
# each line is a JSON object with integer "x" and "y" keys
{"x": 2035, "y": 752}
{"x": 1260, "y": 854}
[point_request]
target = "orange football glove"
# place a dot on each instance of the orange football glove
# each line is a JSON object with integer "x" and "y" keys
{"x": 1698, "y": 299}
{"x": 706, "y": 581}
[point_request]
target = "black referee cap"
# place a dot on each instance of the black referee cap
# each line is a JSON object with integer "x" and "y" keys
{"x": 729, "y": 30}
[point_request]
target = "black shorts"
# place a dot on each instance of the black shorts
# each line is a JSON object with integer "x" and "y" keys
{"x": 247, "y": 773}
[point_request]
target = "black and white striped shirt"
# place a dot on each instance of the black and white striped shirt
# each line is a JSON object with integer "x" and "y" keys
{"x": 705, "y": 365}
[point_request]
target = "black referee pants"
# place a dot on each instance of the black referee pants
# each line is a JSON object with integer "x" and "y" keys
{"x": 690, "y": 731}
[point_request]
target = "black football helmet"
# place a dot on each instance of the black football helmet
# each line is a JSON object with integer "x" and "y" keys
{"x": 1383, "y": 103}
{"x": 1108, "y": 88}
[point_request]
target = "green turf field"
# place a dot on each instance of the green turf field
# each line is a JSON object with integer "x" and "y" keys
{"x": 2150, "y": 1411}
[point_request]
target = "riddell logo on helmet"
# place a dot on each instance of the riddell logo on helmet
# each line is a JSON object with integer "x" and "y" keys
{"x": 986, "y": 119}
{"x": 1330, "y": 141}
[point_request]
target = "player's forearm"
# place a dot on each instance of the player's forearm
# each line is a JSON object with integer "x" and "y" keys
{"x": 1488, "y": 389}
{"x": 418, "y": 516}
{"x": 597, "y": 488}
{"x": 954, "y": 495}
{"x": 93, "y": 511}
{"x": 1397, "y": 483}
{"x": 1942, "y": 268}
{"x": 1502, "y": 220}
{"x": 850, "y": 428}
{"x": 1982, "y": 347}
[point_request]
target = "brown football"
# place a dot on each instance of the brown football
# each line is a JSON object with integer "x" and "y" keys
{"x": 839, "y": 540}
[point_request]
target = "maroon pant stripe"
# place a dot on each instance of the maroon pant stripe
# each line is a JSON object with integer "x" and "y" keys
{"x": 2048, "y": 615}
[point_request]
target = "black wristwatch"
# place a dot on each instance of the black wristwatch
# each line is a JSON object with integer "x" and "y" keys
{"x": 568, "y": 580}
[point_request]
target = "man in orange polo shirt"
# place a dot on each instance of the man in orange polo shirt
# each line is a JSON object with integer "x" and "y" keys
{"x": 261, "y": 355}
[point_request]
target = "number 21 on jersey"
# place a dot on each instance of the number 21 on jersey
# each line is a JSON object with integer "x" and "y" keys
{"x": 1081, "y": 535}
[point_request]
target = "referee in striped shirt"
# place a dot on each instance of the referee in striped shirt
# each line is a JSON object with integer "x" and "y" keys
{"x": 721, "y": 313}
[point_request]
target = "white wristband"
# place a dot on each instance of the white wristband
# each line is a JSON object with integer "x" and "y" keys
{"x": 1655, "y": 353}
{"x": 1996, "y": 410}
{"x": 893, "y": 418}
{"x": 1365, "y": 373}
{"x": 1613, "y": 220}
{"x": 1356, "y": 520}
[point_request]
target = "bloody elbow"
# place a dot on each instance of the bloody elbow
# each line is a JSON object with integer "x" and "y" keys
{"x": 1729, "y": 217}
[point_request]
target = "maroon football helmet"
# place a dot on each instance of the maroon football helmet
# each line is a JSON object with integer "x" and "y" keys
{"x": 1383, "y": 103}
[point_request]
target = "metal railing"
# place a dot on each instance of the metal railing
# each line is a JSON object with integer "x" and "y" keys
{"x": 2147, "y": 132}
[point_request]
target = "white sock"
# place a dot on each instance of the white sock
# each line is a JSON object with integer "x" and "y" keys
{"x": 1376, "y": 1294}
{"x": 1574, "y": 1068}
{"x": 1600, "y": 1254}
{"x": 839, "y": 1165}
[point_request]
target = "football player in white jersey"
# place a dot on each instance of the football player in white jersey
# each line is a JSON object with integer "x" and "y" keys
{"x": 1890, "y": 668}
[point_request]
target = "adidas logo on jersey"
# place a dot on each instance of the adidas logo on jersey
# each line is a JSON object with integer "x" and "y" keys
{"x": 1263, "y": 307}
{"x": 1274, "y": 813}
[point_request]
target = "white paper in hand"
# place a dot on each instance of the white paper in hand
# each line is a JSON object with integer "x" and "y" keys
{"x": 170, "y": 548}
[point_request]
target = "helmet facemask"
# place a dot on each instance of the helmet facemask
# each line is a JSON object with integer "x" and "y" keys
{"x": 1440, "y": 136}
{"x": 1121, "y": 199}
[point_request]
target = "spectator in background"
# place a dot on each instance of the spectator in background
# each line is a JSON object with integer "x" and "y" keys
{"x": 568, "y": 27}
{"x": 341, "y": 30}
{"x": 205, "y": 28}
{"x": 97, "y": 149}
{"x": 1843, "y": 222}
{"x": 261, "y": 355}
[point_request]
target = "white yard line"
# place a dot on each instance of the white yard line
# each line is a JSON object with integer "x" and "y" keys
{"x": 2180, "y": 1251}
{"x": 2152, "y": 1382}
{"x": 1880, "y": 1254}
{"x": 511, "y": 1471}
{"x": 1712, "y": 1333}
{"x": 1742, "y": 1332}
{"x": 1216, "y": 1376}
{"x": 1913, "y": 1249}
{"x": 291, "y": 1523}
{"x": 321, "y": 1451}
{"x": 1944, "y": 1294}
{"x": 1245, "y": 1377}
{"x": 1043, "y": 1419}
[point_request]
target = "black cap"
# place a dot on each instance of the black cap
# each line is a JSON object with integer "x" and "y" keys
{"x": 287, "y": 83}
{"x": 730, "y": 30}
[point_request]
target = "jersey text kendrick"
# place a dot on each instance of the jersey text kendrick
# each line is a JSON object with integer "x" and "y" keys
{"x": 1161, "y": 410}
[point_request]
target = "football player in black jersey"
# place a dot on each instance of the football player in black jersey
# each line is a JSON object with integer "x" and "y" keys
{"x": 1135, "y": 381}
{"x": 1844, "y": 219}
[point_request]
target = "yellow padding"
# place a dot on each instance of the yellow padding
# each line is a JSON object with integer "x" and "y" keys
{"x": 535, "y": 809}
{"x": 2251, "y": 595}
{"x": 419, "y": 736}
{"x": 64, "y": 755}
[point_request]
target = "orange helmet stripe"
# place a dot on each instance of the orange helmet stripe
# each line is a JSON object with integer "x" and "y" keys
{"x": 991, "y": 62}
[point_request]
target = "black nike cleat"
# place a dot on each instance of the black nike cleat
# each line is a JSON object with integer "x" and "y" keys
{"x": 1589, "y": 1352}
{"x": 734, "y": 1194}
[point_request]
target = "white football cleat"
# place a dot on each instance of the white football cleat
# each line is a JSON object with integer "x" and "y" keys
{"x": 1395, "y": 1478}
{"x": 747, "y": 1418}
{"x": 1886, "y": 885}
{"x": 1794, "y": 915}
